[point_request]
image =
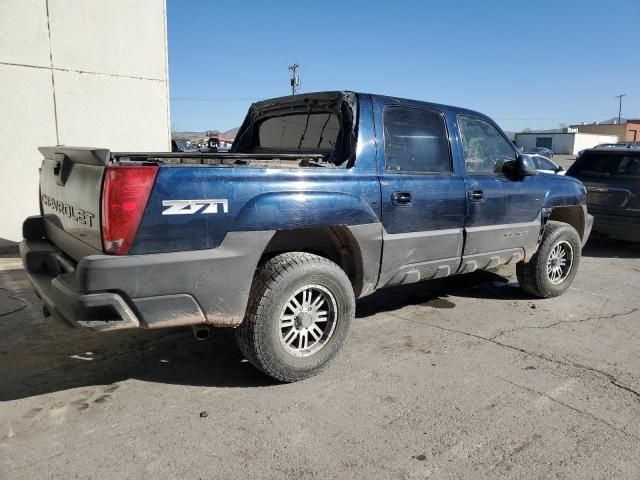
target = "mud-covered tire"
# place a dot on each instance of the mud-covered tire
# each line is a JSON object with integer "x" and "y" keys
{"x": 535, "y": 277}
{"x": 260, "y": 336}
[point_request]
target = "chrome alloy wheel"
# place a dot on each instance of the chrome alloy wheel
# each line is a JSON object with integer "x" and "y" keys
{"x": 308, "y": 320}
{"x": 560, "y": 262}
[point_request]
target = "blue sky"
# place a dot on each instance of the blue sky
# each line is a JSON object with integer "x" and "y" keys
{"x": 529, "y": 64}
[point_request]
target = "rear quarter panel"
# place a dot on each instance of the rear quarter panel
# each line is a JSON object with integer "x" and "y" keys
{"x": 258, "y": 199}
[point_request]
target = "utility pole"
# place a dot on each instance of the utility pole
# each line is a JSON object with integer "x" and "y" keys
{"x": 620, "y": 107}
{"x": 295, "y": 78}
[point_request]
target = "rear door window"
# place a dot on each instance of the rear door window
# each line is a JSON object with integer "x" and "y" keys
{"x": 415, "y": 140}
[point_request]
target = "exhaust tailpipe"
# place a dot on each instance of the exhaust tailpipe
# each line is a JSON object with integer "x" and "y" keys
{"x": 201, "y": 332}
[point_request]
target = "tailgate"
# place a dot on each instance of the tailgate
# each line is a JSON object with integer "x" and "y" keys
{"x": 615, "y": 196}
{"x": 70, "y": 192}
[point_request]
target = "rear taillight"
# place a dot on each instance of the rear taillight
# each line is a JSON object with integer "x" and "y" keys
{"x": 125, "y": 195}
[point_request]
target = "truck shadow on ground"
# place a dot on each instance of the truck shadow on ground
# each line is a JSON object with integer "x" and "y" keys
{"x": 39, "y": 356}
{"x": 436, "y": 293}
{"x": 608, "y": 248}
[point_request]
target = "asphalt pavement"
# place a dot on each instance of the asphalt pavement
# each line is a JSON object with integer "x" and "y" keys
{"x": 465, "y": 377}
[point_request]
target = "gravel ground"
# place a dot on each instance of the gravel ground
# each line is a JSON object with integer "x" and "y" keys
{"x": 461, "y": 378}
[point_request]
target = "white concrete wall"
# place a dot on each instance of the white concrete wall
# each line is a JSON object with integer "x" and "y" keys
{"x": 586, "y": 140}
{"x": 524, "y": 140}
{"x": 563, "y": 143}
{"x": 82, "y": 73}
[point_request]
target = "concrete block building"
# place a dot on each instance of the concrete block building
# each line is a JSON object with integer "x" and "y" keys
{"x": 627, "y": 131}
{"x": 565, "y": 143}
{"x": 86, "y": 73}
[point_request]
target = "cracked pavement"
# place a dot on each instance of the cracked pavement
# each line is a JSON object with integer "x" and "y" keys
{"x": 465, "y": 377}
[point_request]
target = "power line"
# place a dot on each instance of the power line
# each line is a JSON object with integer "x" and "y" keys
{"x": 525, "y": 119}
{"x": 556, "y": 118}
{"x": 215, "y": 99}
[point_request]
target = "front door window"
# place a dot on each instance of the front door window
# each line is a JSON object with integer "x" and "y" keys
{"x": 485, "y": 149}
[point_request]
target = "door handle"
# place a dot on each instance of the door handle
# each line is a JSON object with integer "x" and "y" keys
{"x": 401, "y": 198}
{"x": 476, "y": 195}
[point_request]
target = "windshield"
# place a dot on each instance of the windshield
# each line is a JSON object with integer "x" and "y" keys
{"x": 545, "y": 164}
{"x": 606, "y": 164}
{"x": 183, "y": 144}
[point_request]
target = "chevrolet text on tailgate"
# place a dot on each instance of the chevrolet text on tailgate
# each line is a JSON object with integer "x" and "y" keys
{"x": 323, "y": 198}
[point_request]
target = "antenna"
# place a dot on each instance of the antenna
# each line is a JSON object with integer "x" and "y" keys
{"x": 295, "y": 78}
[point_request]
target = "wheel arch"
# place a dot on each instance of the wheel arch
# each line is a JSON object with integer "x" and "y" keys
{"x": 351, "y": 248}
{"x": 573, "y": 215}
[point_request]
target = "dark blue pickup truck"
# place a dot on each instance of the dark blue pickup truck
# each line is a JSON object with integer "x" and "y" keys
{"x": 324, "y": 198}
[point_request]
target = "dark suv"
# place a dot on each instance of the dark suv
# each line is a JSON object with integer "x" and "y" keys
{"x": 612, "y": 178}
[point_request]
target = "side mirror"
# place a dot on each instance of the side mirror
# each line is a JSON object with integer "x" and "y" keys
{"x": 560, "y": 169}
{"x": 522, "y": 166}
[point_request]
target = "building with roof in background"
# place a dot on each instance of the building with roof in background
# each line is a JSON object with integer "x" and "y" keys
{"x": 564, "y": 142}
{"x": 627, "y": 131}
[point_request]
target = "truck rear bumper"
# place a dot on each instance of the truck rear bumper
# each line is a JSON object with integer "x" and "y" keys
{"x": 52, "y": 277}
{"x": 104, "y": 292}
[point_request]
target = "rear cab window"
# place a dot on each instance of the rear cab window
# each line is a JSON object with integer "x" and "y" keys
{"x": 415, "y": 141}
{"x": 320, "y": 124}
{"x": 311, "y": 132}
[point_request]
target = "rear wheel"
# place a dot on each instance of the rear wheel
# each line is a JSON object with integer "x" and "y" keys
{"x": 299, "y": 316}
{"x": 554, "y": 266}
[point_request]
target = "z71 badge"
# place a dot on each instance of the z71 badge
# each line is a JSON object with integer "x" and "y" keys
{"x": 189, "y": 207}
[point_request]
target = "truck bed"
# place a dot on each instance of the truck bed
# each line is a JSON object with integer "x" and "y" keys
{"x": 273, "y": 160}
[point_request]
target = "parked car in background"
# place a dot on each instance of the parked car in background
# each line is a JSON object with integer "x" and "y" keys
{"x": 215, "y": 145}
{"x": 545, "y": 152}
{"x": 543, "y": 164}
{"x": 182, "y": 145}
{"x": 612, "y": 145}
{"x": 612, "y": 177}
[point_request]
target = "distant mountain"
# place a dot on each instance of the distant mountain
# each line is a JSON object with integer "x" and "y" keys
{"x": 611, "y": 121}
{"x": 614, "y": 120}
{"x": 229, "y": 133}
{"x": 176, "y": 135}
{"x": 549, "y": 130}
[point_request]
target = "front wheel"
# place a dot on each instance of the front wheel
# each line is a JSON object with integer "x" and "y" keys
{"x": 299, "y": 316}
{"x": 554, "y": 266}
